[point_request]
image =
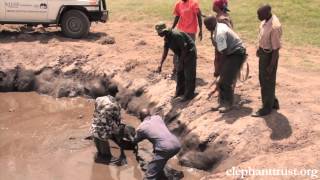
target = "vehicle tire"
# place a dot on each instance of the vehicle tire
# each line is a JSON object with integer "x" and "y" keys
{"x": 75, "y": 24}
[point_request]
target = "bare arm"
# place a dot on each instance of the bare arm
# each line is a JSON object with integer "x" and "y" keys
{"x": 164, "y": 57}
{"x": 138, "y": 137}
{"x": 175, "y": 21}
{"x": 200, "y": 24}
{"x": 275, "y": 44}
{"x": 211, "y": 38}
{"x": 275, "y": 57}
{"x": 274, "y": 61}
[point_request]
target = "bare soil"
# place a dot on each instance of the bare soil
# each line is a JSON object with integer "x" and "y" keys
{"x": 288, "y": 138}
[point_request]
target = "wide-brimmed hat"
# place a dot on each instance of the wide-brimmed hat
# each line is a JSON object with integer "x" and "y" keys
{"x": 160, "y": 27}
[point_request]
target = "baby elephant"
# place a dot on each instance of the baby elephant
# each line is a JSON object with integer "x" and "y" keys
{"x": 123, "y": 137}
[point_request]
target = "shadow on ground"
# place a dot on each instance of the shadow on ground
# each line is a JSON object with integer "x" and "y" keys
{"x": 280, "y": 126}
{"x": 10, "y": 36}
{"x": 234, "y": 115}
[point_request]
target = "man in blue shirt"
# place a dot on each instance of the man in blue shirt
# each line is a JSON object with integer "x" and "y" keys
{"x": 165, "y": 144}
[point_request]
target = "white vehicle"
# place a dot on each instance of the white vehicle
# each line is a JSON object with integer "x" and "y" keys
{"x": 73, "y": 16}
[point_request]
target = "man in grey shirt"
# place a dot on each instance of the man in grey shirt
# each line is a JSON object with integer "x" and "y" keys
{"x": 165, "y": 144}
{"x": 232, "y": 53}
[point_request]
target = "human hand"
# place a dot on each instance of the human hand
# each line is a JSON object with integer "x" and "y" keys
{"x": 200, "y": 35}
{"x": 159, "y": 69}
{"x": 270, "y": 70}
{"x": 216, "y": 74}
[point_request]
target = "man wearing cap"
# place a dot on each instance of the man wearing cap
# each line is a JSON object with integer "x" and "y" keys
{"x": 184, "y": 47}
{"x": 269, "y": 45}
{"x": 188, "y": 18}
{"x": 230, "y": 46}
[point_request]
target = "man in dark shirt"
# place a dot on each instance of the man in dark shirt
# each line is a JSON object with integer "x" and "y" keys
{"x": 165, "y": 144}
{"x": 184, "y": 47}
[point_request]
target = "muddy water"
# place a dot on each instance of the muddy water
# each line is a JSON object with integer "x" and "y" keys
{"x": 42, "y": 138}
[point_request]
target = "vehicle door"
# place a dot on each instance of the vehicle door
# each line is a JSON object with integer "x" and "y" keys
{"x": 1, "y": 10}
{"x": 26, "y": 10}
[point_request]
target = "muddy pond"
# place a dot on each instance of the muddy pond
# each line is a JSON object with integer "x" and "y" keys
{"x": 42, "y": 137}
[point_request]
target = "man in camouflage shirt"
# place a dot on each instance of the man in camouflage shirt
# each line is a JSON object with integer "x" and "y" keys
{"x": 106, "y": 122}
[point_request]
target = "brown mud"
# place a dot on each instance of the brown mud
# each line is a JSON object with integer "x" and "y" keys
{"x": 52, "y": 81}
{"x": 43, "y": 138}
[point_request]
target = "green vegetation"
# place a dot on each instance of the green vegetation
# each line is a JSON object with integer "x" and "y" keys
{"x": 300, "y": 19}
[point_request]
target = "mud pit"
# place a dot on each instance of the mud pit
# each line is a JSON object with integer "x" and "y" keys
{"x": 288, "y": 138}
{"x": 73, "y": 83}
{"x": 43, "y": 138}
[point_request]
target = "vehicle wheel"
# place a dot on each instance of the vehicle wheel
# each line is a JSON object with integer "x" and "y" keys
{"x": 75, "y": 24}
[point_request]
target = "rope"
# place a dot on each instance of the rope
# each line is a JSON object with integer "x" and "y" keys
{"x": 244, "y": 77}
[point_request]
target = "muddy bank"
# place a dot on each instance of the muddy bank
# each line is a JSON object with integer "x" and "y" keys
{"x": 44, "y": 139}
{"x": 52, "y": 81}
{"x": 201, "y": 154}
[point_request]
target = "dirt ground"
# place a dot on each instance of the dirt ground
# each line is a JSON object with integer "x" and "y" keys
{"x": 288, "y": 138}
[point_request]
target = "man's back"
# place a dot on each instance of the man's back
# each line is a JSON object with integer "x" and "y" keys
{"x": 226, "y": 38}
{"x": 177, "y": 41}
{"x": 154, "y": 129}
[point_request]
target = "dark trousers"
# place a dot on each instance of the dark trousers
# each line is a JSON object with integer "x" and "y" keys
{"x": 228, "y": 77}
{"x": 267, "y": 80}
{"x": 157, "y": 164}
{"x": 176, "y": 58}
{"x": 186, "y": 75}
{"x": 103, "y": 147}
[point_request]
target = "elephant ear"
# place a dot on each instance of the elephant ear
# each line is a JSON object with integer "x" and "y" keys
{"x": 119, "y": 132}
{"x": 130, "y": 133}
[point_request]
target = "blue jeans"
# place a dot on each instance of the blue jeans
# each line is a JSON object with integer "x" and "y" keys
{"x": 157, "y": 164}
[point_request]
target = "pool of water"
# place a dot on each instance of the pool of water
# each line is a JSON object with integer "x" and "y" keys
{"x": 43, "y": 138}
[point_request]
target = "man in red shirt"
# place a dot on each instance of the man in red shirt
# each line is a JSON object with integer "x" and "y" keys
{"x": 188, "y": 18}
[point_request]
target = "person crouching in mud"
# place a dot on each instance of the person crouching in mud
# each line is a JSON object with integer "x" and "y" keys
{"x": 165, "y": 144}
{"x": 106, "y": 123}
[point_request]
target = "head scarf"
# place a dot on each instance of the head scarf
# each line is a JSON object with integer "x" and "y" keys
{"x": 221, "y": 4}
